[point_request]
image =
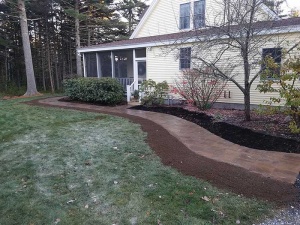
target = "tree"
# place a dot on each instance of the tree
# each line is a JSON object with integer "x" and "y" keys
{"x": 295, "y": 13}
{"x": 51, "y": 28}
{"x": 233, "y": 45}
{"x": 132, "y": 11}
{"x": 77, "y": 38}
{"x": 284, "y": 82}
{"x": 31, "y": 85}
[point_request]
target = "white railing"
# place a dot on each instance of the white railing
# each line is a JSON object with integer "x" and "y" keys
{"x": 125, "y": 81}
{"x": 129, "y": 90}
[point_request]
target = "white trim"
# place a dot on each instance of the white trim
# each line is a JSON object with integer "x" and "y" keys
{"x": 141, "y": 59}
{"x": 99, "y": 73}
{"x": 112, "y": 59}
{"x": 84, "y": 65}
{"x": 143, "y": 20}
{"x": 135, "y": 72}
{"x": 128, "y": 46}
{"x": 269, "y": 12}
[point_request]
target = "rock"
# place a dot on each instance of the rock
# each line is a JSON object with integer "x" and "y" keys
{"x": 287, "y": 119}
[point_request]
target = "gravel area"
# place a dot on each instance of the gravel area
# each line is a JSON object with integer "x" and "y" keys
{"x": 289, "y": 216}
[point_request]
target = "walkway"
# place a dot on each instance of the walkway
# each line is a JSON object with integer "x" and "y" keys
{"x": 270, "y": 166}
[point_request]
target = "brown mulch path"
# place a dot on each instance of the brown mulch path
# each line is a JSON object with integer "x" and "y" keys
{"x": 225, "y": 176}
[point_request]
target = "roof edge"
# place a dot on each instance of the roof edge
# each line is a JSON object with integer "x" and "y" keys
{"x": 272, "y": 14}
{"x": 143, "y": 20}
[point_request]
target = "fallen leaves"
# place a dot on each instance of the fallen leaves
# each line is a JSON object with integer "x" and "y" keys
{"x": 205, "y": 198}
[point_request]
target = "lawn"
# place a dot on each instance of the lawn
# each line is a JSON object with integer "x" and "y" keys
{"x": 61, "y": 166}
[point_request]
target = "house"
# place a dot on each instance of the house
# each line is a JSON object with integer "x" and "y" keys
{"x": 174, "y": 34}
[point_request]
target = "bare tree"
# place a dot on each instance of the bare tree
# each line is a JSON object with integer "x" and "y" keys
{"x": 232, "y": 44}
{"x": 31, "y": 85}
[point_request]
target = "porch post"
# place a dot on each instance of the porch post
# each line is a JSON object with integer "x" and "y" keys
{"x": 98, "y": 61}
{"x": 135, "y": 72}
{"x": 84, "y": 65}
{"x": 113, "y": 71}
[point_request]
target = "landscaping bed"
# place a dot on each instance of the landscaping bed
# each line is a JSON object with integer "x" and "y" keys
{"x": 264, "y": 132}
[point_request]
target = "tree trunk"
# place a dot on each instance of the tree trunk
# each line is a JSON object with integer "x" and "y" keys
{"x": 49, "y": 60}
{"x": 77, "y": 37}
{"x": 6, "y": 69}
{"x": 70, "y": 61}
{"x": 31, "y": 84}
{"x": 247, "y": 105}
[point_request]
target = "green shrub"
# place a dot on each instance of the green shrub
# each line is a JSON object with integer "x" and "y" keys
{"x": 154, "y": 93}
{"x": 106, "y": 91}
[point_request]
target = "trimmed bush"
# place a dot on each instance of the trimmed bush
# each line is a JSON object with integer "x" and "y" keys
{"x": 107, "y": 91}
{"x": 153, "y": 92}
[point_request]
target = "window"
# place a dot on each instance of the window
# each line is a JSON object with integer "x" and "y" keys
{"x": 185, "y": 58}
{"x": 275, "y": 53}
{"x": 199, "y": 14}
{"x": 185, "y": 16}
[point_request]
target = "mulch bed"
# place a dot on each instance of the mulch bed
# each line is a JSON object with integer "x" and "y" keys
{"x": 232, "y": 178}
{"x": 229, "y": 124}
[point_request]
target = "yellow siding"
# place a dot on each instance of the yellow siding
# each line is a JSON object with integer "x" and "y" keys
{"x": 163, "y": 64}
{"x": 164, "y": 18}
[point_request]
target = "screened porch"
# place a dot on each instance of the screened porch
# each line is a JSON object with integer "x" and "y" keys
{"x": 127, "y": 66}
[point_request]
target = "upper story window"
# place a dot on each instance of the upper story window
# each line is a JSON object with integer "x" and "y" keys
{"x": 185, "y": 16}
{"x": 276, "y": 54}
{"x": 199, "y": 14}
{"x": 185, "y": 58}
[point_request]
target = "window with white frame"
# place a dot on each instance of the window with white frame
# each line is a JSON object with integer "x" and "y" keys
{"x": 199, "y": 14}
{"x": 185, "y": 58}
{"x": 185, "y": 16}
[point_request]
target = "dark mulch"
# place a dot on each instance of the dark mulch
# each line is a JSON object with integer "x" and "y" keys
{"x": 225, "y": 176}
{"x": 231, "y": 132}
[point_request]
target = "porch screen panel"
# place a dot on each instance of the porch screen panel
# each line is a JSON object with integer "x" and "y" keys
{"x": 91, "y": 64}
{"x": 123, "y": 64}
{"x": 105, "y": 64}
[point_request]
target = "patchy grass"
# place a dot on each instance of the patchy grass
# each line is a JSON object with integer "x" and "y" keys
{"x": 68, "y": 167}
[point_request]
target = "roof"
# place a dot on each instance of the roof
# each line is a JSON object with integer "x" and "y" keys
{"x": 279, "y": 26}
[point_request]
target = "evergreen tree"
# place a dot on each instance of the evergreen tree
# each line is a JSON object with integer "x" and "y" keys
{"x": 132, "y": 10}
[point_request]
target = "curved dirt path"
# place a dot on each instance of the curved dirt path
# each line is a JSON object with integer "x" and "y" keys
{"x": 177, "y": 147}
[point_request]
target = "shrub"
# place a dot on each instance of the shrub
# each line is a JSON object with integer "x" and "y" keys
{"x": 11, "y": 89}
{"x": 285, "y": 84}
{"x": 136, "y": 94}
{"x": 153, "y": 93}
{"x": 200, "y": 87}
{"x": 106, "y": 91}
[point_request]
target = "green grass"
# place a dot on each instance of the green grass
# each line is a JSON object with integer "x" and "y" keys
{"x": 68, "y": 167}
